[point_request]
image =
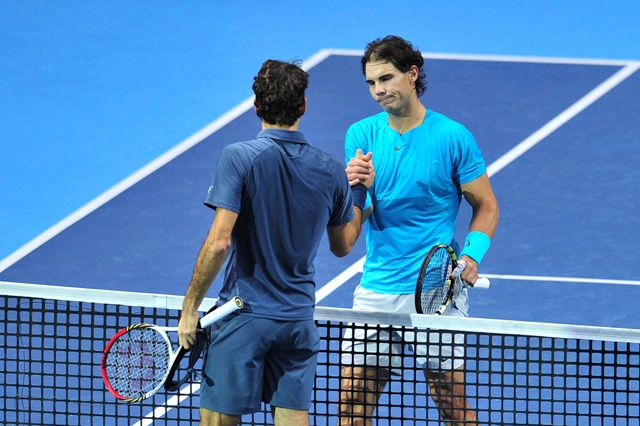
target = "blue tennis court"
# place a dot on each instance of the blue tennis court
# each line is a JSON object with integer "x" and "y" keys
{"x": 558, "y": 136}
{"x": 559, "y": 133}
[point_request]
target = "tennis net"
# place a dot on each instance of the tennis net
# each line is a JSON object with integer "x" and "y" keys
{"x": 52, "y": 338}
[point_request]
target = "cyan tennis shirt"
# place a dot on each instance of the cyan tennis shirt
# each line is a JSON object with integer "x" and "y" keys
{"x": 285, "y": 192}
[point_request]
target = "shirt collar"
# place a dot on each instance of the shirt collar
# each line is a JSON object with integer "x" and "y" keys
{"x": 281, "y": 134}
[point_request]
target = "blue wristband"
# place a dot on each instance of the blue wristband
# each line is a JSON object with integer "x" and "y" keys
{"x": 476, "y": 245}
{"x": 359, "y": 194}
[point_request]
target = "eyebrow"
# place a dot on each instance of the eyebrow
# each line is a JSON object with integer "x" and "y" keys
{"x": 389, "y": 74}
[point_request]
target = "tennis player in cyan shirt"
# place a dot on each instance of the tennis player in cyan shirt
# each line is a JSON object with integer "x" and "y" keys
{"x": 424, "y": 163}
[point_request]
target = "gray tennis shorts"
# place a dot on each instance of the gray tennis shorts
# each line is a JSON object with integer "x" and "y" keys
{"x": 258, "y": 359}
{"x": 386, "y": 346}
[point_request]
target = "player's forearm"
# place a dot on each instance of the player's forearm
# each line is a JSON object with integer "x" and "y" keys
{"x": 210, "y": 260}
{"x": 481, "y": 231}
{"x": 354, "y": 227}
{"x": 343, "y": 238}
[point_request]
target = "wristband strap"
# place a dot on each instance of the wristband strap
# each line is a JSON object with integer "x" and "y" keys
{"x": 359, "y": 194}
{"x": 476, "y": 245}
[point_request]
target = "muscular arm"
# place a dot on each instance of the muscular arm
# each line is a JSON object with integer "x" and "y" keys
{"x": 486, "y": 214}
{"x": 210, "y": 260}
{"x": 480, "y": 196}
{"x": 343, "y": 238}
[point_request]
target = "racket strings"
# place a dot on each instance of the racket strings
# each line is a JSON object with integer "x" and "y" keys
{"x": 436, "y": 283}
{"x": 138, "y": 362}
{"x": 433, "y": 299}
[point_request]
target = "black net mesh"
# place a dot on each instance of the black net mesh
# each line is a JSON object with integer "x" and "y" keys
{"x": 515, "y": 373}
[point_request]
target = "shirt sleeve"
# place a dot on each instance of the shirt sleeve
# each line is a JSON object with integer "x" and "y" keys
{"x": 228, "y": 182}
{"x": 354, "y": 140}
{"x": 471, "y": 163}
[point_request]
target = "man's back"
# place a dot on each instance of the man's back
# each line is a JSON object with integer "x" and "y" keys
{"x": 286, "y": 192}
{"x": 274, "y": 198}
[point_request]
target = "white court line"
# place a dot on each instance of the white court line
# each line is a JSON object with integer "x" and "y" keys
{"x": 335, "y": 283}
{"x": 125, "y": 184}
{"x": 563, "y": 118}
{"x": 172, "y": 403}
{"x": 136, "y": 177}
{"x": 244, "y": 106}
{"x": 629, "y": 67}
{"x": 560, "y": 279}
{"x": 499, "y": 58}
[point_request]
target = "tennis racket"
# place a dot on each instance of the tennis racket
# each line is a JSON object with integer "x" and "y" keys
{"x": 439, "y": 280}
{"x": 138, "y": 359}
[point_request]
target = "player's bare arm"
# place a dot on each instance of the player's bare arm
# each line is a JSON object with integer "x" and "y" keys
{"x": 486, "y": 214}
{"x": 210, "y": 260}
{"x": 342, "y": 238}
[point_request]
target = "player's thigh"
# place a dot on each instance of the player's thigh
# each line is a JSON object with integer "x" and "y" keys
{"x": 232, "y": 381}
{"x": 288, "y": 417}
{"x": 451, "y": 382}
{"x": 439, "y": 350}
{"x": 212, "y": 418}
{"x": 370, "y": 345}
{"x": 355, "y": 382}
{"x": 360, "y": 389}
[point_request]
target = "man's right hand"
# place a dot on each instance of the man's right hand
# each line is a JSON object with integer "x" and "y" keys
{"x": 360, "y": 169}
{"x": 187, "y": 328}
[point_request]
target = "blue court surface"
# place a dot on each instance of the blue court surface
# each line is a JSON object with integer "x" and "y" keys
{"x": 113, "y": 114}
{"x": 560, "y": 139}
{"x": 98, "y": 191}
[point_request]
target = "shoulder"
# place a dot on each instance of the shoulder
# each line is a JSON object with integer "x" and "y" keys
{"x": 246, "y": 151}
{"x": 373, "y": 121}
{"x": 323, "y": 159}
{"x": 368, "y": 127}
{"x": 445, "y": 127}
{"x": 443, "y": 120}
{"x": 248, "y": 147}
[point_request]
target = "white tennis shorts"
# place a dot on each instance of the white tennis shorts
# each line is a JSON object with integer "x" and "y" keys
{"x": 386, "y": 346}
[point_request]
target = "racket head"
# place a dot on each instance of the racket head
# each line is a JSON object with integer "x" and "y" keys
{"x": 136, "y": 362}
{"x": 434, "y": 287}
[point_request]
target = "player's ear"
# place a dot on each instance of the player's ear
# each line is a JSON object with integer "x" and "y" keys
{"x": 413, "y": 74}
{"x": 304, "y": 107}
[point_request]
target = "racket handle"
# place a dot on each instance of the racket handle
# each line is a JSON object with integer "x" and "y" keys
{"x": 482, "y": 283}
{"x": 221, "y": 311}
{"x": 461, "y": 265}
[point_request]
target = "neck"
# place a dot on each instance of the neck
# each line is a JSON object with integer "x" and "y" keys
{"x": 293, "y": 127}
{"x": 411, "y": 119}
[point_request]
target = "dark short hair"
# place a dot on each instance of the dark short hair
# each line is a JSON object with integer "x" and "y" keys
{"x": 400, "y": 53}
{"x": 279, "y": 88}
